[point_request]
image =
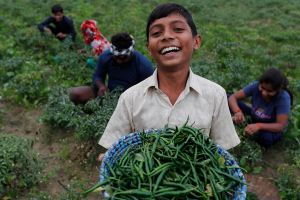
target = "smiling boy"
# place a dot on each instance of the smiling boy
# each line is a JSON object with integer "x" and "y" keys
{"x": 173, "y": 92}
{"x": 63, "y": 25}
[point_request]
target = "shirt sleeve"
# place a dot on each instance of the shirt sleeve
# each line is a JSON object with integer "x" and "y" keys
{"x": 101, "y": 70}
{"x": 42, "y": 25}
{"x": 251, "y": 88}
{"x": 222, "y": 130}
{"x": 72, "y": 29}
{"x": 119, "y": 125}
{"x": 283, "y": 104}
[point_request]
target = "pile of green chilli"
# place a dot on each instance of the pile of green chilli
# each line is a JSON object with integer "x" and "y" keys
{"x": 174, "y": 164}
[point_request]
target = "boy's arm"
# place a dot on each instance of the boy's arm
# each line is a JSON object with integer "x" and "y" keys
{"x": 42, "y": 25}
{"x": 222, "y": 129}
{"x": 72, "y": 29}
{"x": 120, "y": 124}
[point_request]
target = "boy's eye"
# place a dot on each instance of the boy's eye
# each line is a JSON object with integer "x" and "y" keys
{"x": 178, "y": 29}
{"x": 155, "y": 33}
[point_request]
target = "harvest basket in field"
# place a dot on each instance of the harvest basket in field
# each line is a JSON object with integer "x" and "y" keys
{"x": 134, "y": 139}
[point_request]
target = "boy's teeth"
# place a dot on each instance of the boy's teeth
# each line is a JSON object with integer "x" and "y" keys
{"x": 169, "y": 49}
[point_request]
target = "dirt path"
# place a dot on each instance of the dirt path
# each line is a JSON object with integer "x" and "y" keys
{"x": 56, "y": 146}
{"x": 271, "y": 159}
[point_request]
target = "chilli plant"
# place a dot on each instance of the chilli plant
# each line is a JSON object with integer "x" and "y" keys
{"x": 20, "y": 166}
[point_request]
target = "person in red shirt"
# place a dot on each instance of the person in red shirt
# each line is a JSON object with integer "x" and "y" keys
{"x": 92, "y": 36}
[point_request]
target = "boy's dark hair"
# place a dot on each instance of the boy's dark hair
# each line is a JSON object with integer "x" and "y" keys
{"x": 165, "y": 10}
{"x": 57, "y": 8}
{"x": 276, "y": 78}
{"x": 121, "y": 40}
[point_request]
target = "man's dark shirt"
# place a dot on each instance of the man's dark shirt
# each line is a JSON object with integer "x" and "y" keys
{"x": 139, "y": 68}
{"x": 66, "y": 26}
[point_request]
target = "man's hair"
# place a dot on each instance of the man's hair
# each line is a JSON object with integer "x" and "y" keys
{"x": 165, "y": 10}
{"x": 121, "y": 40}
{"x": 57, "y": 8}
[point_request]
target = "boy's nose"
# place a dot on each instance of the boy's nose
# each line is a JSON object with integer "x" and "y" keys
{"x": 168, "y": 34}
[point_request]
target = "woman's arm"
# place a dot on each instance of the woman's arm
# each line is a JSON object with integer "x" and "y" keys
{"x": 232, "y": 101}
{"x": 278, "y": 127}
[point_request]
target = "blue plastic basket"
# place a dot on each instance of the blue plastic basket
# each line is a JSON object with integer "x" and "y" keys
{"x": 120, "y": 147}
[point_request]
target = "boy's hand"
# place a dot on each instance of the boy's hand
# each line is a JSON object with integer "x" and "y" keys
{"x": 103, "y": 90}
{"x": 238, "y": 118}
{"x": 48, "y": 30}
{"x": 61, "y": 35}
{"x": 251, "y": 128}
{"x": 100, "y": 157}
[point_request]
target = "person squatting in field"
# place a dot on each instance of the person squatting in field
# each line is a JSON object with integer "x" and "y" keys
{"x": 173, "y": 92}
{"x": 124, "y": 66}
{"x": 63, "y": 25}
{"x": 92, "y": 36}
{"x": 271, "y": 102}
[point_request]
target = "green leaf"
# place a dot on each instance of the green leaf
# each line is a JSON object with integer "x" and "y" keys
{"x": 108, "y": 189}
{"x": 10, "y": 74}
{"x": 256, "y": 170}
{"x": 282, "y": 194}
{"x": 220, "y": 187}
{"x": 209, "y": 190}
{"x": 166, "y": 127}
{"x": 221, "y": 161}
{"x": 173, "y": 175}
{"x": 99, "y": 189}
{"x": 9, "y": 180}
{"x": 243, "y": 161}
{"x": 139, "y": 157}
{"x": 247, "y": 168}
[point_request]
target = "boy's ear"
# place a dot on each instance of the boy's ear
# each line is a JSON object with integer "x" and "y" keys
{"x": 148, "y": 47}
{"x": 197, "y": 42}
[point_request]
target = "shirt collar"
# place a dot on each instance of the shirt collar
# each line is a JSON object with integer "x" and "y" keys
{"x": 191, "y": 83}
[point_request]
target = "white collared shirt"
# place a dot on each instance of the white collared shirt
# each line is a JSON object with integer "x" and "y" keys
{"x": 144, "y": 106}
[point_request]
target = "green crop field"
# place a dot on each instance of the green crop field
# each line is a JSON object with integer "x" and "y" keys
{"x": 240, "y": 40}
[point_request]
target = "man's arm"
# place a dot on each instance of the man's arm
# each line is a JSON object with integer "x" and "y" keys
{"x": 42, "y": 25}
{"x": 102, "y": 88}
{"x": 99, "y": 76}
{"x": 222, "y": 129}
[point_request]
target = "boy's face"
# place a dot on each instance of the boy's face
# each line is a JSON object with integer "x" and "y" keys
{"x": 171, "y": 41}
{"x": 58, "y": 16}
